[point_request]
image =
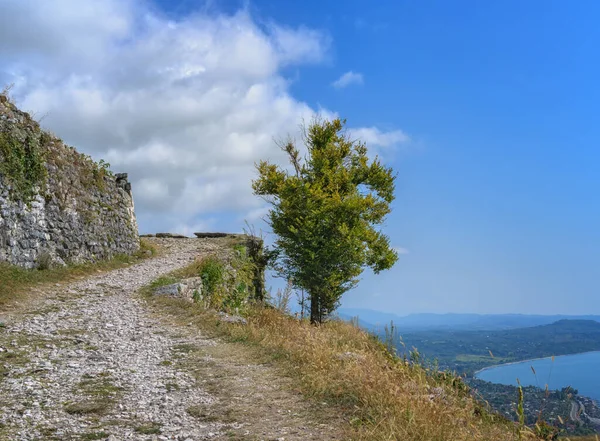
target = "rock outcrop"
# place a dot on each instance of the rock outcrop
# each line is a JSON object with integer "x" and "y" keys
{"x": 56, "y": 204}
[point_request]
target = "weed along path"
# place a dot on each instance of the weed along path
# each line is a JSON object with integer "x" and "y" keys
{"x": 94, "y": 361}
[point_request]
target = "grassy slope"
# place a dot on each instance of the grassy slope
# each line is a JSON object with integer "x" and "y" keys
{"x": 380, "y": 396}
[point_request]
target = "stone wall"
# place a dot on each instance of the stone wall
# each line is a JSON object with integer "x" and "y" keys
{"x": 58, "y": 205}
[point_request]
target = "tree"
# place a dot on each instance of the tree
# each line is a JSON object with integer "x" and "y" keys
{"x": 324, "y": 213}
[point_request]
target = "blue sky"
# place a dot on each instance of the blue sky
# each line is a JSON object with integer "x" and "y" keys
{"x": 487, "y": 111}
{"x": 498, "y": 201}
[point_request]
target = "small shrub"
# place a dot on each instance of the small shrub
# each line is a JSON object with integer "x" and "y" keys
{"x": 147, "y": 249}
{"x": 44, "y": 261}
{"x": 282, "y": 298}
{"x": 212, "y": 274}
{"x": 236, "y": 297}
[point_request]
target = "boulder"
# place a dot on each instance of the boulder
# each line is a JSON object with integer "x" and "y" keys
{"x": 227, "y": 318}
{"x": 185, "y": 289}
{"x": 210, "y": 235}
{"x": 171, "y": 235}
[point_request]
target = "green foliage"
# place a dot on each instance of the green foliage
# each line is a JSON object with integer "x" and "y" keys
{"x": 22, "y": 165}
{"x": 99, "y": 171}
{"x": 243, "y": 286}
{"x": 163, "y": 281}
{"x": 227, "y": 285}
{"x": 545, "y": 431}
{"x": 324, "y": 214}
{"x": 211, "y": 273}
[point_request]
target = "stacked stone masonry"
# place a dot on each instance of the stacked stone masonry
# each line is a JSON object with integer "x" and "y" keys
{"x": 77, "y": 212}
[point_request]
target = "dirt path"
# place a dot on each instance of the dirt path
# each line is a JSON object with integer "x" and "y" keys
{"x": 92, "y": 362}
{"x": 574, "y": 414}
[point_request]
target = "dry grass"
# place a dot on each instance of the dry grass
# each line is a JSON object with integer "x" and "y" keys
{"x": 99, "y": 396}
{"x": 385, "y": 398}
{"x": 381, "y": 397}
{"x": 15, "y": 282}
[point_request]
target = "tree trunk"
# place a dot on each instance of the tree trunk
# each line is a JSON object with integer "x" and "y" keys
{"x": 302, "y": 306}
{"x": 315, "y": 309}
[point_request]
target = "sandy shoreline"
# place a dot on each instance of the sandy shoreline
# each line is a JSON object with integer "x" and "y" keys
{"x": 528, "y": 361}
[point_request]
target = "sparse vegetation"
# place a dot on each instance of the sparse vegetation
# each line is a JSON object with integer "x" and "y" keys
{"x": 149, "y": 429}
{"x": 382, "y": 396}
{"x": 16, "y": 282}
{"x": 99, "y": 396}
{"x": 282, "y": 298}
{"x": 22, "y": 164}
{"x": 95, "y": 435}
{"x": 227, "y": 281}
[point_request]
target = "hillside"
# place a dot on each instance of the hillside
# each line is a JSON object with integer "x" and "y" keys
{"x": 376, "y": 320}
{"x": 467, "y": 351}
{"x": 107, "y": 358}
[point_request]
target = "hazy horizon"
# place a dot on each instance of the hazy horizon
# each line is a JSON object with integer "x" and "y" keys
{"x": 464, "y": 313}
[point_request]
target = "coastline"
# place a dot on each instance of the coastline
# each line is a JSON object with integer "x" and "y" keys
{"x": 528, "y": 360}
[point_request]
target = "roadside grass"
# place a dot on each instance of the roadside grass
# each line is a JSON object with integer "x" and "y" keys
{"x": 149, "y": 428}
{"x": 16, "y": 282}
{"x": 381, "y": 396}
{"x": 17, "y": 349}
{"x": 99, "y": 396}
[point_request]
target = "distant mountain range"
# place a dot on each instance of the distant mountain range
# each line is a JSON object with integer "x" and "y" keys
{"x": 376, "y": 320}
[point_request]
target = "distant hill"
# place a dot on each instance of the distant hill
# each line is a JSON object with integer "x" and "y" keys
{"x": 467, "y": 350}
{"x": 376, "y": 320}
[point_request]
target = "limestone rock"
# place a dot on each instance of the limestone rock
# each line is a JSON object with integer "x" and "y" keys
{"x": 185, "y": 289}
{"x": 210, "y": 235}
{"x": 171, "y": 235}
{"x": 81, "y": 213}
{"x": 227, "y": 318}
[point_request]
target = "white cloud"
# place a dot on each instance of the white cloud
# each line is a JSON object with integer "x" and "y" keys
{"x": 258, "y": 213}
{"x": 401, "y": 250}
{"x": 348, "y": 79}
{"x": 299, "y": 44}
{"x": 185, "y": 106}
{"x": 372, "y": 136}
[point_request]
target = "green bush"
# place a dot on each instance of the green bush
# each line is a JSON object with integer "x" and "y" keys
{"x": 212, "y": 275}
{"x": 22, "y": 165}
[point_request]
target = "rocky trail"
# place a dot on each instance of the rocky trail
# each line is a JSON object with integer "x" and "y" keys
{"x": 92, "y": 361}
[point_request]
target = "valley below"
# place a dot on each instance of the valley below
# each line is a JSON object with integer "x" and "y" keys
{"x": 555, "y": 363}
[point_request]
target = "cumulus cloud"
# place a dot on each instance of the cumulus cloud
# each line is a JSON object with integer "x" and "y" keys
{"x": 372, "y": 136}
{"x": 401, "y": 250}
{"x": 186, "y": 106}
{"x": 348, "y": 79}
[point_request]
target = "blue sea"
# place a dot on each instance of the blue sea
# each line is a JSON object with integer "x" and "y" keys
{"x": 580, "y": 371}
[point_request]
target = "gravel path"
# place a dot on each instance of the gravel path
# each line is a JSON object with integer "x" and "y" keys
{"x": 93, "y": 363}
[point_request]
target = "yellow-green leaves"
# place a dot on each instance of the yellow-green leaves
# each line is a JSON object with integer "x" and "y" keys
{"x": 324, "y": 214}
